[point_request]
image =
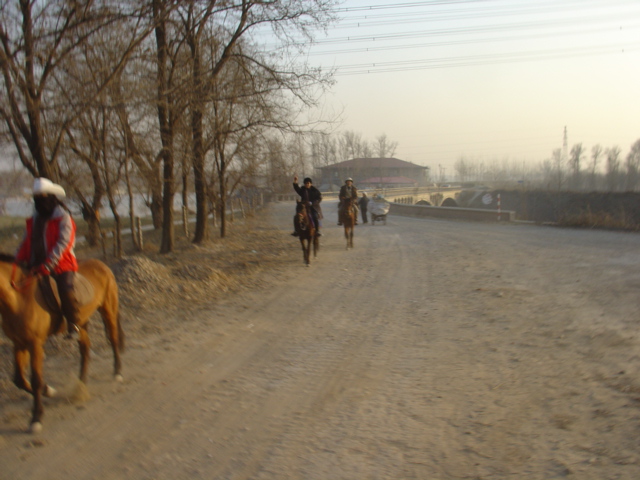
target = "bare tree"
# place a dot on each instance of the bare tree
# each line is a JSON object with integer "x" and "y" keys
{"x": 350, "y": 145}
{"x": 323, "y": 150}
{"x": 275, "y": 164}
{"x": 633, "y": 167}
{"x": 38, "y": 43}
{"x": 462, "y": 169}
{"x": 384, "y": 148}
{"x": 575, "y": 164}
{"x": 612, "y": 174}
{"x": 557, "y": 170}
{"x": 221, "y": 33}
{"x": 596, "y": 154}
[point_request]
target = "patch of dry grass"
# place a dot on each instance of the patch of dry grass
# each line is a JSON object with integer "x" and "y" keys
{"x": 600, "y": 220}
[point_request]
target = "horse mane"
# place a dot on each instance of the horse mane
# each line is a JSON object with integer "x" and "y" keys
{"x": 5, "y": 257}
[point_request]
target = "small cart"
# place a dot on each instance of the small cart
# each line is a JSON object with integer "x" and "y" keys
{"x": 378, "y": 208}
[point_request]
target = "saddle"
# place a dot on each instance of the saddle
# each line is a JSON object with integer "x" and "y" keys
{"x": 82, "y": 288}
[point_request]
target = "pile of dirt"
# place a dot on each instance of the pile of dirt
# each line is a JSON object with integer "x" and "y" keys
{"x": 144, "y": 283}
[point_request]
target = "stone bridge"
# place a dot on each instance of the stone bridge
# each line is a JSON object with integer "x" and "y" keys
{"x": 431, "y": 195}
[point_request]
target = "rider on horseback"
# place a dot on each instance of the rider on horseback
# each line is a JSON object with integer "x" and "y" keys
{"x": 47, "y": 247}
{"x": 311, "y": 197}
{"x": 347, "y": 191}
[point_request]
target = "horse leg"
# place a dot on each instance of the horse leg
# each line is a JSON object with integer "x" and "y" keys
{"x": 316, "y": 246}
{"x": 84, "y": 344}
{"x": 307, "y": 251}
{"x": 304, "y": 250}
{"x": 37, "y": 385}
{"x": 21, "y": 358}
{"x": 113, "y": 329}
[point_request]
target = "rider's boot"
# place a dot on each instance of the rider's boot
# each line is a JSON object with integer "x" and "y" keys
{"x": 68, "y": 303}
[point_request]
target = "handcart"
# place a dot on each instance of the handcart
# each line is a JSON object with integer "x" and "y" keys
{"x": 378, "y": 208}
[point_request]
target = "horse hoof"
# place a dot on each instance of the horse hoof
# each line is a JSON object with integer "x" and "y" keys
{"x": 50, "y": 392}
{"x": 119, "y": 378}
{"x": 36, "y": 427}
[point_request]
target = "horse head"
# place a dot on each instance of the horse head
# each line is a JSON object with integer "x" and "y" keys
{"x": 301, "y": 217}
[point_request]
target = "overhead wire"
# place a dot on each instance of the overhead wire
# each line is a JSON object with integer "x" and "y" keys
{"x": 587, "y": 22}
{"x": 448, "y": 62}
{"x": 590, "y": 31}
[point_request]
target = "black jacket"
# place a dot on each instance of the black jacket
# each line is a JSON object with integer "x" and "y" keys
{"x": 311, "y": 194}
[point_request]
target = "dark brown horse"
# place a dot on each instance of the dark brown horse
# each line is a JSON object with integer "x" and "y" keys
{"x": 348, "y": 220}
{"x": 28, "y": 322}
{"x": 307, "y": 232}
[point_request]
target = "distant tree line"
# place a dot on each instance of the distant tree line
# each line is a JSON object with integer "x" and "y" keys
{"x": 155, "y": 97}
{"x": 580, "y": 170}
{"x": 303, "y": 154}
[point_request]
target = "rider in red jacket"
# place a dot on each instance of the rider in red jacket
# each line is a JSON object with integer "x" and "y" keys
{"x": 47, "y": 247}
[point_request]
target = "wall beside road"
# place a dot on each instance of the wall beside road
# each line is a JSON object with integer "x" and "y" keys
{"x": 476, "y": 214}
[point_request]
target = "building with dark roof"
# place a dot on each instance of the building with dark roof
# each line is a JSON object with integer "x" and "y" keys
{"x": 375, "y": 173}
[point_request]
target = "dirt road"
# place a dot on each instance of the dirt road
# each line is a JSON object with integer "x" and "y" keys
{"x": 433, "y": 350}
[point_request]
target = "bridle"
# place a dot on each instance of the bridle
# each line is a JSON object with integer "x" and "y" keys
{"x": 303, "y": 217}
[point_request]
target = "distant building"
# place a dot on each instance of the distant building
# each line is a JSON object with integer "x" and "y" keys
{"x": 374, "y": 173}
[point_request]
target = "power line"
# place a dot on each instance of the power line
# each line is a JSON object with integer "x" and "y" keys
{"x": 590, "y": 31}
{"x": 448, "y": 62}
{"x": 459, "y": 30}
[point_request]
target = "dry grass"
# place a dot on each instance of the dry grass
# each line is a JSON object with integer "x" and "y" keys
{"x": 600, "y": 220}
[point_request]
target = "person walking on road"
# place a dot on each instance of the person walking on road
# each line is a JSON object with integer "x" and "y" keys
{"x": 364, "y": 202}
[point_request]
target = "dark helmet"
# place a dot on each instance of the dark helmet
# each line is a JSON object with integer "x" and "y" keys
{"x": 307, "y": 180}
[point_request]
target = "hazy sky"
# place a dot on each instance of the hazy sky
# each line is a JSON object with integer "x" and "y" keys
{"x": 486, "y": 79}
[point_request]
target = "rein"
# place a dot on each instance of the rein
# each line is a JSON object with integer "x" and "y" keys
{"x": 21, "y": 286}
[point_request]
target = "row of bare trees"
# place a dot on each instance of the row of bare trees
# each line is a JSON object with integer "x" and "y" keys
{"x": 304, "y": 154}
{"x": 328, "y": 149}
{"x": 601, "y": 169}
{"x": 154, "y": 97}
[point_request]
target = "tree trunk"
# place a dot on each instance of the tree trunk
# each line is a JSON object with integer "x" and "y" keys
{"x": 200, "y": 183}
{"x": 223, "y": 199}
{"x": 166, "y": 130}
{"x": 92, "y": 217}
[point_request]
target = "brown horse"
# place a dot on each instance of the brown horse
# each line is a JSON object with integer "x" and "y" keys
{"x": 28, "y": 322}
{"x": 348, "y": 221}
{"x": 306, "y": 232}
